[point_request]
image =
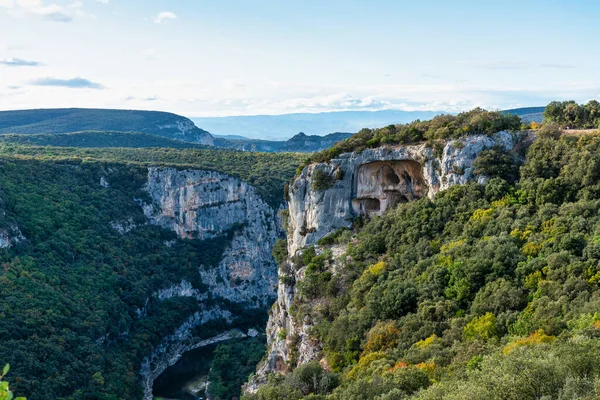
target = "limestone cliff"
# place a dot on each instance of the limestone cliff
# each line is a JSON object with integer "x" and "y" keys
{"x": 366, "y": 183}
{"x": 10, "y": 233}
{"x": 198, "y": 204}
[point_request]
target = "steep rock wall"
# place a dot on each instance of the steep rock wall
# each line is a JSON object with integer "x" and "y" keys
{"x": 365, "y": 183}
{"x": 10, "y": 233}
{"x": 197, "y": 204}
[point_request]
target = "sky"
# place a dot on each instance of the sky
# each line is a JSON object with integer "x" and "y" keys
{"x": 227, "y": 57}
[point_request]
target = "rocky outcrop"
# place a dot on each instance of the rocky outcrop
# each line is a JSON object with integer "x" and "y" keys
{"x": 184, "y": 129}
{"x": 374, "y": 180}
{"x": 198, "y": 204}
{"x": 204, "y": 204}
{"x": 366, "y": 183}
{"x": 10, "y": 234}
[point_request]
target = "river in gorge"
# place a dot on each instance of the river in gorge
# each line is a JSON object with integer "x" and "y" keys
{"x": 186, "y": 379}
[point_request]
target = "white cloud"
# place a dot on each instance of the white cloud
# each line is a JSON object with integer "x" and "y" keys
{"x": 151, "y": 54}
{"x": 18, "y": 62}
{"x": 103, "y": 1}
{"x": 52, "y": 12}
{"x": 164, "y": 16}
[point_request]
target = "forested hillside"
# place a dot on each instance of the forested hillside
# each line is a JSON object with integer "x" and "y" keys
{"x": 77, "y": 282}
{"x": 487, "y": 292}
{"x": 69, "y": 120}
{"x": 99, "y": 139}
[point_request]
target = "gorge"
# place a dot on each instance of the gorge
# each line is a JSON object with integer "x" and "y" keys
{"x": 204, "y": 204}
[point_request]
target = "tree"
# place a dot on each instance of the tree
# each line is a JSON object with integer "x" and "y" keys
{"x": 496, "y": 163}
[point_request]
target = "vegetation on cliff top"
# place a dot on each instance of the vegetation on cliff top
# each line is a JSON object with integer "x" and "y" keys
{"x": 446, "y": 126}
{"x": 570, "y": 115}
{"x": 267, "y": 172}
{"x": 487, "y": 292}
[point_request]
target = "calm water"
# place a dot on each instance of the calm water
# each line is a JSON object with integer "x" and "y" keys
{"x": 193, "y": 365}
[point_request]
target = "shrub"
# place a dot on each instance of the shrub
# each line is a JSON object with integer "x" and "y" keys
{"x": 481, "y": 328}
{"x": 496, "y": 163}
{"x": 321, "y": 181}
{"x": 279, "y": 251}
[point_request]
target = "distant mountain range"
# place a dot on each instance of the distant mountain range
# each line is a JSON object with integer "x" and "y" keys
{"x": 69, "y": 120}
{"x": 529, "y": 114}
{"x": 281, "y": 127}
{"x": 300, "y": 143}
{"x": 77, "y": 127}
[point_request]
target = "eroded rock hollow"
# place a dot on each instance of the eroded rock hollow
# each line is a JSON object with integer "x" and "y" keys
{"x": 384, "y": 184}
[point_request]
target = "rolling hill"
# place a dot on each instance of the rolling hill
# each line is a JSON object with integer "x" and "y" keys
{"x": 69, "y": 120}
{"x": 99, "y": 139}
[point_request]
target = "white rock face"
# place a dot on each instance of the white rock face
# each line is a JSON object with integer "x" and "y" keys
{"x": 184, "y": 289}
{"x": 197, "y": 204}
{"x": 185, "y": 129}
{"x": 376, "y": 179}
{"x": 10, "y": 236}
{"x": 205, "y": 204}
{"x": 10, "y": 233}
{"x": 123, "y": 226}
{"x": 365, "y": 183}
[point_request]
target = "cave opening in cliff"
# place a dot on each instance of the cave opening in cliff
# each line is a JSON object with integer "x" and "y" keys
{"x": 382, "y": 185}
{"x": 367, "y": 206}
{"x": 389, "y": 176}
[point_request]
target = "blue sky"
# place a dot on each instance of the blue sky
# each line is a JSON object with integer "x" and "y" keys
{"x": 211, "y": 58}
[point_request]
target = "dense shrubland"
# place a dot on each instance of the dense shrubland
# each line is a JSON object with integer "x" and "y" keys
{"x": 487, "y": 292}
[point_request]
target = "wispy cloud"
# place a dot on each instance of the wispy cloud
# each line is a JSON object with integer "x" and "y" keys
{"x": 164, "y": 16}
{"x": 557, "y": 66}
{"x": 513, "y": 65}
{"x": 17, "y": 62}
{"x": 51, "y": 12}
{"x": 151, "y": 54}
{"x": 75, "y": 83}
{"x": 149, "y": 98}
{"x": 496, "y": 64}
